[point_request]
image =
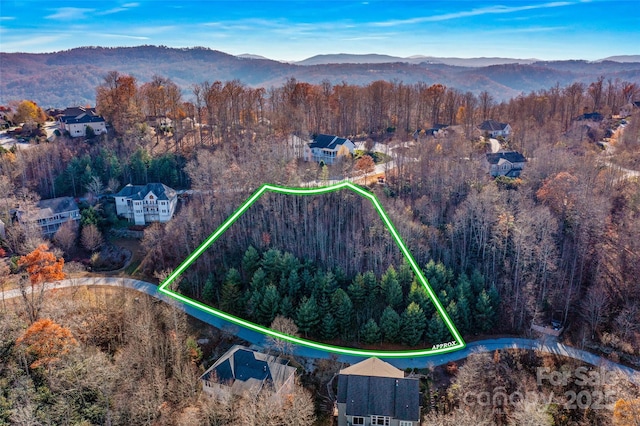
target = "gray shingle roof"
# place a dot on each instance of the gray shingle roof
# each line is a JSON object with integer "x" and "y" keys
{"x": 511, "y": 156}
{"x": 76, "y": 115}
{"x": 492, "y": 126}
{"x": 327, "y": 142}
{"x": 54, "y": 206}
{"x": 246, "y": 370}
{"x": 138, "y": 192}
{"x": 382, "y": 396}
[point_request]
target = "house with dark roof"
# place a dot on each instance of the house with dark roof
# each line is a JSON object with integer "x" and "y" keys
{"x": 435, "y": 131}
{"x": 590, "y": 116}
{"x": 243, "y": 371}
{"x": 142, "y": 204}
{"x": 326, "y": 148}
{"x": 75, "y": 120}
{"x": 495, "y": 129}
{"x": 50, "y": 214}
{"x": 506, "y": 163}
{"x": 373, "y": 392}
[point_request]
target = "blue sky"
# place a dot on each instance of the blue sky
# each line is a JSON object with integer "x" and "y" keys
{"x": 294, "y": 30}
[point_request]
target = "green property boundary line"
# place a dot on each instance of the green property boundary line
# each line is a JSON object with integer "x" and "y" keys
{"x": 436, "y": 349}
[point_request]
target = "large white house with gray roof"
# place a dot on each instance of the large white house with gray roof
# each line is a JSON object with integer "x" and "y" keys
{"x": 326, "y": 148}
{"x": 142, "y": 204}
{"x": 75, "y": 120}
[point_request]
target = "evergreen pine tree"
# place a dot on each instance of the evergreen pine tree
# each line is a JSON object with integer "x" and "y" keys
{"x": 393, "y": 293}
{"x": 437, "y": 331}
{"x": 272, "y": 264}
{"x": 307, "y": 316}
{"x": 438, "y": 275}
{"x": 286, "y": 307}
{"x": 250, "y": 263}
{"x": 372, "y": 293}
{"x": 342, "y": 310}
{"x": 356, "y": 290}
{"x": 484, "y": 313}
{"x": 293, "y": 285}
{"x": 330, "y": 285}
{"x": 307, "y": 282}
{"x": 477, "y": 283}
{"x": 464, "y": 311}
{"x": 413, "y": 324}
{"x": 270, "y": 306}
{"x": 230, "y": 299}
{"x": 418, "y": 295}
{"x": 390, "y": 325}
{"x": 370, "y": 332}
{"x": 208, "y": 291}
{"x": 328, "y": 327}
{"x": 389, "y": 275}
{"x": 283, "y": 284}
{"x": 259, "y": 280}
{"x": 231, "y": 293}
{"x": 405, "y": 276}
{"x": 253, "y": 301}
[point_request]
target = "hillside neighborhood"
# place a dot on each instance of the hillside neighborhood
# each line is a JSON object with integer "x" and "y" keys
{"x": 520, "y": 215}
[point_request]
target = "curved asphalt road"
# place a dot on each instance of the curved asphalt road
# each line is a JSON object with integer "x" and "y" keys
{"x": 258, "y": 339}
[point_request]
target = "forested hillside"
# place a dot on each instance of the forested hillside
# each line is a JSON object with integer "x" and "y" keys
{"x": 560, "y": 242}
{"x": 69, "y": 77}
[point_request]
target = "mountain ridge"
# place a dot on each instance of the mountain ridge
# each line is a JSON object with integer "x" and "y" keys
{"x": 64, "y": 78}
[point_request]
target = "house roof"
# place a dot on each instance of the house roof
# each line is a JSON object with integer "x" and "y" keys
{"x": 76, "y": 115}
{"x": 373, "y": 367}
{"x": 246, "y": 370}
{"x": 383, "y": 396}
{"x": 138, "y": 192}
{"x": 593, "y": 116}
{"x": 492, "y": 126}
{"x": 327, "y": 142}
{"x": 502, "y": 156}
{"x": 52, "y": 206}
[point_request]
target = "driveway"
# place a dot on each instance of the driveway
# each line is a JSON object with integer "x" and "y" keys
{"x": 258, "y": 339}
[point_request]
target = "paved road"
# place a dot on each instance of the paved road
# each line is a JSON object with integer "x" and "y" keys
{"x": 258, "y": 339}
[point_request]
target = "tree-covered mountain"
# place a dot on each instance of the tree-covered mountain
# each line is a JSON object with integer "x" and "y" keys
{"x": 70, "y": 77}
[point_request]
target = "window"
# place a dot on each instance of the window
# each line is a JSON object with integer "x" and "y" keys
{"x": 357, "y": 420}
{"x": 380, "y": 420}
{"x": 405, "y": 423}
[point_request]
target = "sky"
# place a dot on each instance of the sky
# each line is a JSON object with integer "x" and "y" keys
{"x": 295, "y": 30}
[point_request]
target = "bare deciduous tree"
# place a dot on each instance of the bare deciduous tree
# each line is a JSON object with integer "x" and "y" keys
{"x": 91, "y": 237}
{"x": 66, "y": 236}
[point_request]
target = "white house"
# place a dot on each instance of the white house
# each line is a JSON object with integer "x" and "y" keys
{"x": 495, "y": 129}
{"x": 326, "y": 148}
{"x": 50, "y": 214}
{"x": 506, "y": 163}
{"x": 75, "y": 120}
{"x": 141, "y": 204}
{"x": 373, "y": 392}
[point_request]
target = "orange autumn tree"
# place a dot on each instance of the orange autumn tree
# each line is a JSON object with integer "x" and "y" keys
{"x": 626, "y": 413}
{"x": 46, "y": 341}
{"x": 41, "y": 266}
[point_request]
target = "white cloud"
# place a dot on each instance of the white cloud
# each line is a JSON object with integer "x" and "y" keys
{"x": 20, "y": 45}
{"x": 7, "y": 18}
{"x": 70, "y": 13}
{"x": 489, "y": 10}
{"x": 122, "y": 8}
